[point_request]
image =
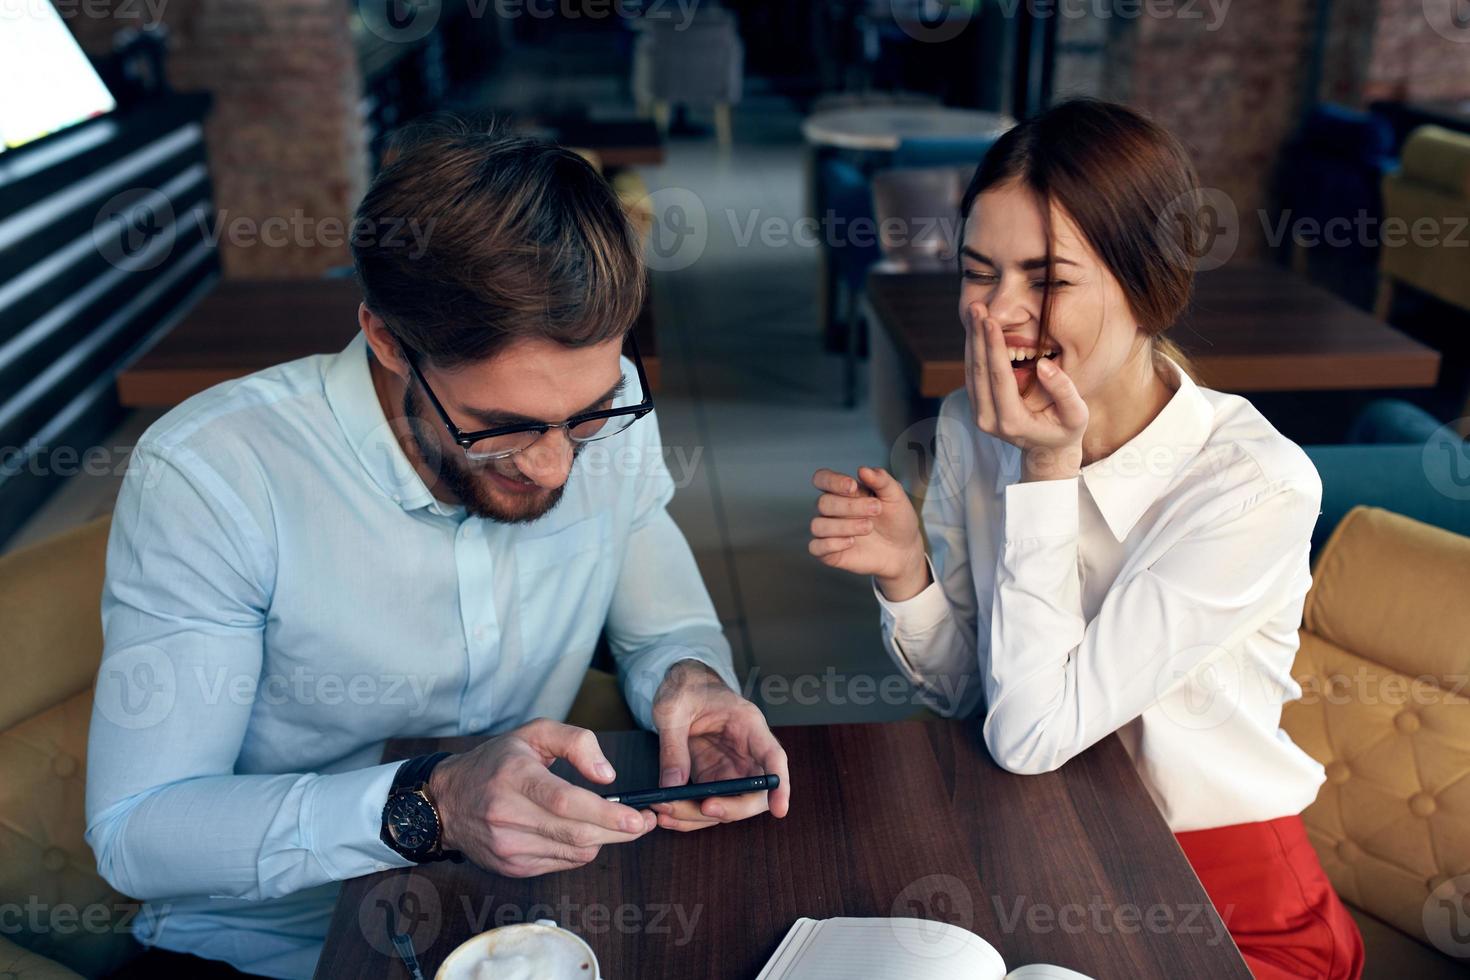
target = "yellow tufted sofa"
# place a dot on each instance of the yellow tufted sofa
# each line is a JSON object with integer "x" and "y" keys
{"x": 1383, "y": 664}
{"x": 58, "y": 918}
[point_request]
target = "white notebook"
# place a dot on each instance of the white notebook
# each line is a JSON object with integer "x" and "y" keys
{"x": 894, "y": 949}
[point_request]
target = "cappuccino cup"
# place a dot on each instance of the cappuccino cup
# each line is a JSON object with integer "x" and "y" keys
{"x": 539, "y": 950}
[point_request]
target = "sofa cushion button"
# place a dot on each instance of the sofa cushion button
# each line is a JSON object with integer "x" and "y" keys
{"x": 54, "y": 859}
{"x": 1421, "y": 804}
{"x": 1338, "y": 772}
{"x": 1349, "y": 851}
{"x": 64, "y": 766}
{"x": 1406, "y": 722}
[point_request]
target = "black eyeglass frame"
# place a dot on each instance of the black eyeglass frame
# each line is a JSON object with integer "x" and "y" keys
{"x": 467, "y": 439}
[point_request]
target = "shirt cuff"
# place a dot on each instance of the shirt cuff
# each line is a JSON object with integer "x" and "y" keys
{"x": 643, "y": 681}
{"x": 1041, "y": 509}
{"x": 343, "y": 815}
{"x": 918, "y": 614}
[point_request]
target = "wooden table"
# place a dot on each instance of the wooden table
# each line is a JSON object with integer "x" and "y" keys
{"x": 1249, "y": 328}
{"x": 244, "y": 326}
{"x": 906, "y": 819}
{"x": 885, "y": 127}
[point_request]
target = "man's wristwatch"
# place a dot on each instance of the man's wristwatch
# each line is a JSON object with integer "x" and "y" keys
{"x": 411, "y": 824}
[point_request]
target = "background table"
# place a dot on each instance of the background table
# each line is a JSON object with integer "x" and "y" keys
{"x": 884, "y": 127}
{"x": 244, "y": 326}
{"x": 906, "y": 819}
{"x": 1250, "y": 328}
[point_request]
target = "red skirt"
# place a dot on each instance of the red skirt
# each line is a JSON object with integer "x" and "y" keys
{"x": 1267, "y": 884}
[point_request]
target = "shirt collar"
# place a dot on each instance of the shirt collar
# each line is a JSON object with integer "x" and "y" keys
{"x": 354, "y": 401}
{"x": 1126, "y": 483}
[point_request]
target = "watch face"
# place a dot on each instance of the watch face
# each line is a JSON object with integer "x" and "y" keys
{"x": 412, "y": 822}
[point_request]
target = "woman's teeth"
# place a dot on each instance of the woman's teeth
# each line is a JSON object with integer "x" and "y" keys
{"x": 1028, "y": 354}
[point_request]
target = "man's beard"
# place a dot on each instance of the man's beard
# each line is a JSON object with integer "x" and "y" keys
{"x": 456, "y": 474}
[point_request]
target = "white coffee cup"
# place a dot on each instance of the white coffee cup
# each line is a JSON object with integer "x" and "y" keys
{"x": 540, "y": 950}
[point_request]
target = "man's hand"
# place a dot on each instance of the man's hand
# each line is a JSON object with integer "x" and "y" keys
{"x": 503, "y": 808}
{"x": 706, "y": 732}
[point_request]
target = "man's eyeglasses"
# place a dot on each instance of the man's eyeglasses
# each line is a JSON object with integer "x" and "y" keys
{"x": 507, "y": 440}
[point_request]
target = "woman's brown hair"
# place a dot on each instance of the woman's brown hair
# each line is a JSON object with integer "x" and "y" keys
{"x": 513, "y": 238}
{"x": 1130, "y": 187}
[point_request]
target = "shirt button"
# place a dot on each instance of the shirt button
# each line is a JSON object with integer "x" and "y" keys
{"x": 479, "y": 632}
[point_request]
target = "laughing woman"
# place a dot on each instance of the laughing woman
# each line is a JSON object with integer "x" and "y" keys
{"x": 1112, "y": 548}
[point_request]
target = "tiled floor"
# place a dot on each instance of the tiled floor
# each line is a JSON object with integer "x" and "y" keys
{"x": 753, "y": 404}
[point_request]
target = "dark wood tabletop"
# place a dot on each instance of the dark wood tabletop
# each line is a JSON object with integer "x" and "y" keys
{"x": 1250, "y": 327}
{"x": 243, "y": 326}
{"x": 1075, "y": 868}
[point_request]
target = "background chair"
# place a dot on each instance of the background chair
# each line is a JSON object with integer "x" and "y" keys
{"x": 50, "y": 596}
{"x": 1396, "y": 458}
{"x": 1382, "y": 652}
{"x": 1433, "y": 185}
{"x": 699, "y": 63}
{"x": 1334, "y": 169}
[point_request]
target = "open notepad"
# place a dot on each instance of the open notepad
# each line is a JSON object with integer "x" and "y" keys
{"x": 894, "y": 949}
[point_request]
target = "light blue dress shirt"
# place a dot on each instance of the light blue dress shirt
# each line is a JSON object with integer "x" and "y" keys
{"x": 284, "y": 594}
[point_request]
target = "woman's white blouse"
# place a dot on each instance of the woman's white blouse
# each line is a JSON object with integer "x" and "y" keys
{"x": 1157, "y": 595}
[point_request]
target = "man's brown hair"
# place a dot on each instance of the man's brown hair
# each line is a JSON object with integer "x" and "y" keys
{"x": 514, "y": 238}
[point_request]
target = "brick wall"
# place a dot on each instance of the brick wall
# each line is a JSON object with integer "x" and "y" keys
{"x": 1230, "y": 89}
{"x": 1418, "y": 53}
{"x": 1396, "y": 49}
{"x": 285, "y": 138}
